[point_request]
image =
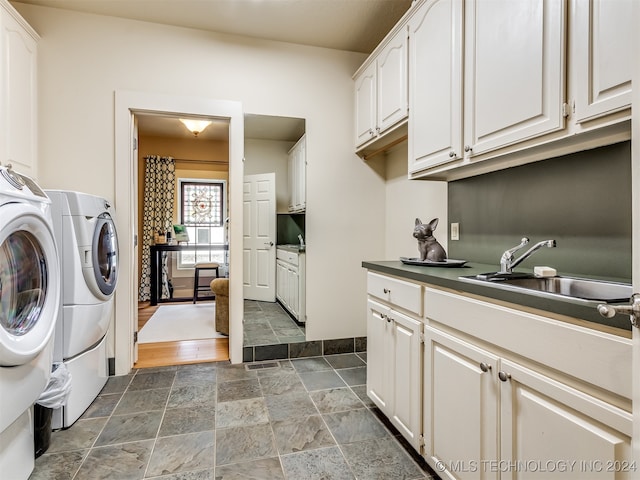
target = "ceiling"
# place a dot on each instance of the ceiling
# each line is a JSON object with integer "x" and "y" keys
{"x": 351, "y": 25}
{"x": 256, "y": 127}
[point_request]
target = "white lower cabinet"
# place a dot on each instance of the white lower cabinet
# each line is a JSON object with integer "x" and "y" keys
{"x": 550, "y": 430}
{"x": 484, "y": 391}
{"x": 394, "y": 373}
{"x": 460, "y": 405}
{"x": 489, "y": 417}
{"x": 290, "y": 282}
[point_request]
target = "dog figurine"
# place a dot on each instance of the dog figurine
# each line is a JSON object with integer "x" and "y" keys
{"x": 428, "y": 246}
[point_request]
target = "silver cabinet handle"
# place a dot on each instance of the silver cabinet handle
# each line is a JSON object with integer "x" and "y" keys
{"x": 485, "y": 367}
{"x": 504, "y": 376}
{"x": 467, "y": 148}
{"x": 386, "y": 290}
{"x": 452, "y": 154}
{"x": 633, "y": 310}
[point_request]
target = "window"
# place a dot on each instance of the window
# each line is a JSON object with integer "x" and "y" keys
{"x": 202, "y": 212}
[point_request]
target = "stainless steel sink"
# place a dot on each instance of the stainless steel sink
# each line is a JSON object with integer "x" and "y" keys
{"x": 575, "y": 288}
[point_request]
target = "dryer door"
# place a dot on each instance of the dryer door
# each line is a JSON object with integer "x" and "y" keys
{"x": 29, "y": 283}
{"x": 105, "y": 254}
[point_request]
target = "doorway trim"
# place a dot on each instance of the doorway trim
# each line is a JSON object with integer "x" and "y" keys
{"x": 127, "y": 104}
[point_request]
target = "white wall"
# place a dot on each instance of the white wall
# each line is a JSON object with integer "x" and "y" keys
{"x": 84, "y": 59}
{"x": 407, "y": 200}
{"x": 266, "y": 156}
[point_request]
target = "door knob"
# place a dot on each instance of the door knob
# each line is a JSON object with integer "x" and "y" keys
{"x": 633, "y": 310}
{"x": 268, "y": 244}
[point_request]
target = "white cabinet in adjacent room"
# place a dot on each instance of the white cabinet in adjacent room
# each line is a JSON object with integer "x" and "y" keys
{"x": 18, "y": 91}
{"x": 290, "y": 282}
{"x": 297, "y": 164}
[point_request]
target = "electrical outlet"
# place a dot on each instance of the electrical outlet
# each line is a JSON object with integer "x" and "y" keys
{"x": 455, "y": 231}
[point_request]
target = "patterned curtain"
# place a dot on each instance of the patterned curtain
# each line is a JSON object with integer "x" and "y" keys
{"x": 159, "y": 193}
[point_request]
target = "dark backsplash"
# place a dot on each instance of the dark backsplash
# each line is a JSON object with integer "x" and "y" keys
{"x": 289, "y": 227}
{"x": 582, "y": 200}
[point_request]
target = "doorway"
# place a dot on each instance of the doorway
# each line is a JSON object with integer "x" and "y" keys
{"x": 182, "y": 180}
{"x": 127, "y": 106}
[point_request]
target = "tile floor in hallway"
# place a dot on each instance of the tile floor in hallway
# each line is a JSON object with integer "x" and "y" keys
{"x": 267, "y": 323}
{"x": 303, "y": 419}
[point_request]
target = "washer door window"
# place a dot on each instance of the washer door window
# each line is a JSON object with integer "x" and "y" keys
{"x": 105, "y": 254}
{"x": 23, "y": 282}
{"x": 29, "y": 283}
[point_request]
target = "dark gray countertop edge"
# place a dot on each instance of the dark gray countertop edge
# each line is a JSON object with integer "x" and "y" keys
{"x": 448, "y": 277}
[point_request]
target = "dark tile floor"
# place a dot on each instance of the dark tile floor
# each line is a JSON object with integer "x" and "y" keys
{"x": 302, "y": 419}
{"x": 267, "y": 323}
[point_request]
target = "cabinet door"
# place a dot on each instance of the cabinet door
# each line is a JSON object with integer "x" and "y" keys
{"x": 281, "y": 282}
{"x": 460, "y": 405}
{"x": 292, "y": 284}
{"x": 392, "y": 100}
{"x": 406, "y": 384}
{"x": 514, "y": 71}
{"x": 301, "y": 175}
{"x": 435, "y": 84}
{"x": 547, "y": 425}
{"x": 602, "y": 56}
{"x": 292, "y": 165}
{"x": 365, "y": 98}
{"x": 18, "y": 97}
{"x": 378, "y": 355}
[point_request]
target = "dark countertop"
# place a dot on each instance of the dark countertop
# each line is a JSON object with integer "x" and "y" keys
{"x": 291, "y": 248}
{"x": 448, "y": 277}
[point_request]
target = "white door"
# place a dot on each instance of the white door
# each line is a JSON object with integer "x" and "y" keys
{"x": 259, "y": 237}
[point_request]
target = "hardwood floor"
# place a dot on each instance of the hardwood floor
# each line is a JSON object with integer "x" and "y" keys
{"x": 180, "y": 352}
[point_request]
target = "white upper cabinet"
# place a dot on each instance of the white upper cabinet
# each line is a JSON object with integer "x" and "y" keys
{"x": 18, "y": 92}
{"x": 435, "y": 84}
{"x": 297, "y": 164}
{"x": 392, "y": 97}
{"x": 514, "y": 71}
{"x": 601, "y": 52}
{"x": 381, "y": 98}
{"x": 365, "y": 95}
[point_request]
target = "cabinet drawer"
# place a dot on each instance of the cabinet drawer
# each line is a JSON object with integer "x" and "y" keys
{"x": 397, "y": 292}
{"x": 287, "y": 256}
{"x": 599, "y": 358}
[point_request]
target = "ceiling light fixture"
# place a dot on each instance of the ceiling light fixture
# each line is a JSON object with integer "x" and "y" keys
{"x": 195, "y": 126}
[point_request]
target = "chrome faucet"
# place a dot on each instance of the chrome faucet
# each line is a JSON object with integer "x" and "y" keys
{"x": 301, "y": 240}
{"x": 507, "y": 262}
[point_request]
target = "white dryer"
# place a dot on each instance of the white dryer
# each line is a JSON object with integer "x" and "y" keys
{"x": 29, "y": 304}
{"x": 88, "y": 245}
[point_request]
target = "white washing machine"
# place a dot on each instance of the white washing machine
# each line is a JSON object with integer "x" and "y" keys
{"x": 88, "y": 245}
{"x": 29, "y": 305}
